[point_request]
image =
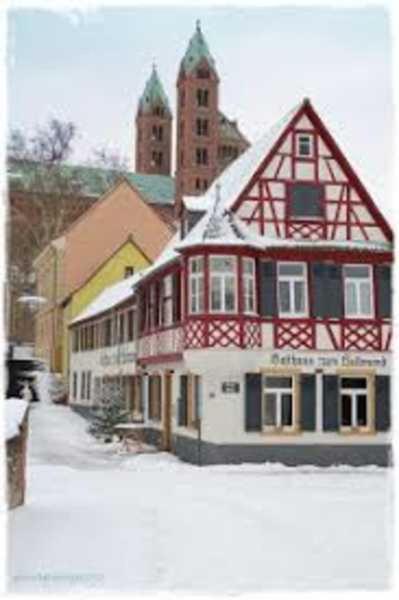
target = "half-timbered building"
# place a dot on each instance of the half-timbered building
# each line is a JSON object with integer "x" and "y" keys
{"x": 264, "y": 328}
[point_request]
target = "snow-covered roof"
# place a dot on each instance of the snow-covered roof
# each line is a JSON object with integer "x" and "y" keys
{"x": 109, "y": 298}
{"x": 168, "y": 254}
{"x": 15, "y": 413}
{"x": 194, "y": 203}
{"x": 236, "y": 176}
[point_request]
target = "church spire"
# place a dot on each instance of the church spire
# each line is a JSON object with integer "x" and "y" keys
{"x": 153, "y": 128}
{"x": 197, "y": 51}
{"x": 154, "y": 96}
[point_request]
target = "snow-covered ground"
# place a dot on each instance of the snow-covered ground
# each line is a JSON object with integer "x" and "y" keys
{"x": 97, "y": 518}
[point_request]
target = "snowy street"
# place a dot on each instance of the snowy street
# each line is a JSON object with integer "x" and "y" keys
{"x": 96, "y": 518}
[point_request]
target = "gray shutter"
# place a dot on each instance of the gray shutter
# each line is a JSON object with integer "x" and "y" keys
{"x": 334, "y": 291}
{"x": 308, "y": 402}
{"x": 182, "y": 417}
{"x": 382, "y": 403}
{"x": 327, "y": 290}
{"x": 330, "y": 402}
{"x": 384, "y": 290}
{"x": 319, "y": 277}
{"x": 253, "y": 402}
{"x": 267, "y": 301}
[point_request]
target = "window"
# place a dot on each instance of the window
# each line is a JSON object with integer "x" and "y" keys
{"x": 304, "y": 145}
{"x": 75, "y": 386}
{"x": 159, "y": 111}
{"x": 83, "y": 385}
{"x": 151, "y": 307}
{"x": 202, "y": 127}
{"x": 157, "y": 133}
{"x": 107, "y": 331}
{"x": 203, "y": 73}
{"x": 292, "y": 289}
{"x": 88, "y": 385}
{"x": 130, "y": 325}
{"x": 358, "y": 291}
{"x": 354, "y": 410}
{"x": 248, "y": 275}
{"x": 201, "y": 156}
{"x": 156, "y": 159}
{"x": 121, "y": 328}
{"x": 129, "y": 271}
{"x": 202, "y": 97}
{"x": 223, "y": 284}
{"x": 166, "y": 299}
{"x": 197, "y": 285}
{"x": 278, "y": 407}
{"x": 306, "y": 201}
{"x": 155, "y": 398}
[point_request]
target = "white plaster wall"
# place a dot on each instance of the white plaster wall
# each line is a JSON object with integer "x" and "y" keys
{"x": 224, "y": 414}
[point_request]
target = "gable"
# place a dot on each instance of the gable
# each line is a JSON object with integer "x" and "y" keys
{"x": 109, "y": 273}
{"x": 304, "y": 188}
{"x": 115, "y": 217}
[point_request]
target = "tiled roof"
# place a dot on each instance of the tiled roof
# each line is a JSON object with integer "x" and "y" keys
{"x": 229, "y": 129}
{"x": 197, "y": 50}
{"x": 154, "y": 94}
{"x": 95, "y": 181}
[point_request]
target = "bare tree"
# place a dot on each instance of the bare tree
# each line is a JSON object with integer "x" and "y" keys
{"x": 45, "y": 197}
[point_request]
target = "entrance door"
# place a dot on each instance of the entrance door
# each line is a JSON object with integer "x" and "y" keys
{"x": 167, "y": 413}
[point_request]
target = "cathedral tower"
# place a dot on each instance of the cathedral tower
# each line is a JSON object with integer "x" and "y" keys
{"x": 197, "y": 119}
{"x": 153, "y": 129}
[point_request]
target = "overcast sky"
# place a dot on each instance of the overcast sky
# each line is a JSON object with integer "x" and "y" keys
{"x": 91, "y": 69}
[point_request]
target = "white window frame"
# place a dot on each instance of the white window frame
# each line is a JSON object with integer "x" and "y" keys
{"x": 249, "y": 281}
{"x": 310, "y": 139}
{"x": 279, "y": 391}
{"x": 357, "y": 281}
{"x": 222, "y": 276}
{"x": 198, "y": 296}
{"x": 354, "y": 393}
{"x": 292, "y": 279}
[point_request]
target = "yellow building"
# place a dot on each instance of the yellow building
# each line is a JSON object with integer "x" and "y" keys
{"x": 127, "y": 260}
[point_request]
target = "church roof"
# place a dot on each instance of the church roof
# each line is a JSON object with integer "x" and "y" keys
{"x": 229, "y": 130}
{"x": 95, "y": 181}
{"x": 197, "y": 51}
{"x": 154, "y": 94}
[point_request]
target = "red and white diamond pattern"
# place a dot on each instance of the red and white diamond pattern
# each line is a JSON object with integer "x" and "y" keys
{"x": 306, "y": 231}
{"x": 297, "y": 335}
{"x": 194, "y": 334}
{"x": 358, "y": 336}
{"x": 252, "y": 335}
{"x": 224, "y": 333}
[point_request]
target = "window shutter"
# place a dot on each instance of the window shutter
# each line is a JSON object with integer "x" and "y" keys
{"x": 327, "y": 291}
{"x": 382, "y": 403}
{"x": 319, "y": 289}
{"x": 384, "y": 290}
{"x": 330, "y": 402}
{"x": 182, "y": 420}
{"x": 253, "y": 402}
{"x": 151, "y": 397}
{"x": 308, "y": 402}
{"x": 267, "y": 301}
{"x": 176, "y": 292}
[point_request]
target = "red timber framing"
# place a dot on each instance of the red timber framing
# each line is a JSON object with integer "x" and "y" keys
{"x": 347, "y": 210}
{"x": 239, "y": 330}
{"x": 159, "y": 342}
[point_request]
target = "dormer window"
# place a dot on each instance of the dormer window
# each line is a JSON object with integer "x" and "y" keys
{"x": 304, "y": 145}
{"x": 203, "y": 73}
